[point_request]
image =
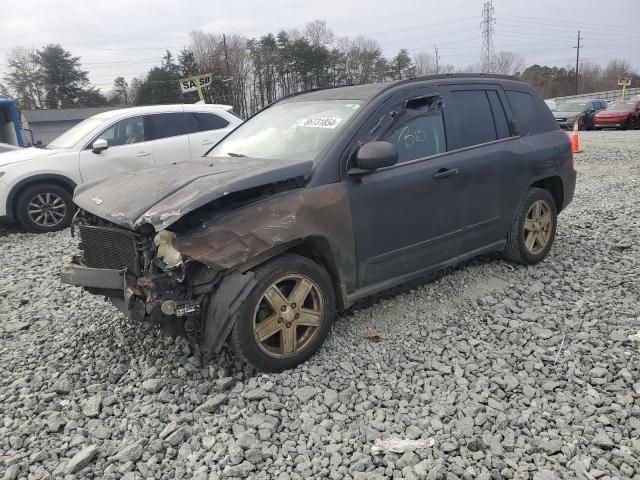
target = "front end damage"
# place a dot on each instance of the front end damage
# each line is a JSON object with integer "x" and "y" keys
{"x": 184, "y": 259}
{"x": 143, "y": 275}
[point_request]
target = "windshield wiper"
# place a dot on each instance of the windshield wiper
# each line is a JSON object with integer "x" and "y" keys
{"x": 231, "y": 154}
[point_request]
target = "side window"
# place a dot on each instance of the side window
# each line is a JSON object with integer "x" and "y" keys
{"x": 124, "y": 132}
{"x": 203, "y": 122}
{"x": 191, "y": 123}
{"x": 470, "y": 114}
{"x": 521, "y": 105}
{"x": 499, "y": 115}
{"x": 164, "y": 125}
{"x": 210, "y": 121}
{"x": 418, "y": 130}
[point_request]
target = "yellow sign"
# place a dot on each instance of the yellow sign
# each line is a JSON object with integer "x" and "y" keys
{"x": 191, "y": 84}
{"x": 624, "y": 82}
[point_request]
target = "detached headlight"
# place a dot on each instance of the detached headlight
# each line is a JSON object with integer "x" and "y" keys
{"x": 166, "y": 252}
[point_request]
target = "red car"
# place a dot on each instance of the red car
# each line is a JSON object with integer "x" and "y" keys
{"x": 619, "y": 115}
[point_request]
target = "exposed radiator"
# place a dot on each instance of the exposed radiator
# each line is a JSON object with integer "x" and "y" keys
{"x": 106, "y": 247}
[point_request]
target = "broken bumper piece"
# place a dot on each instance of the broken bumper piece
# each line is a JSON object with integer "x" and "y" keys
{"x": 99, "y": 278}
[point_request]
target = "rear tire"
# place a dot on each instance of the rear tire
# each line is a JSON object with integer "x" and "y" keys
{"x": 44, "y": 208}
{"x": 286, "y": 317}
{"x": 533, "y": 230}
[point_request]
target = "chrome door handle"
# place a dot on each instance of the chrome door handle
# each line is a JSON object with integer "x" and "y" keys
{"x": 143, "y": 154}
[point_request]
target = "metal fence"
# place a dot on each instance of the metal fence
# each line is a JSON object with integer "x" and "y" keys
{"x": 608, "y": 95}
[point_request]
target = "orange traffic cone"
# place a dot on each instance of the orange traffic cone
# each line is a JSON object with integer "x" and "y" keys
{"x": 575, "y": 141}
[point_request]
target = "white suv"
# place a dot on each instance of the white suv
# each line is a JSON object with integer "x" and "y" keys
{"x": 36, "y": 184}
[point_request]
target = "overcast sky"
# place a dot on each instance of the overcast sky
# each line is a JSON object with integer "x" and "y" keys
{"x": 127, "y": 37}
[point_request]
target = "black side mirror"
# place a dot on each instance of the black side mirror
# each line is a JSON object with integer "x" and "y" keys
{"x": 514, "y": 127}
{"x": 374, "y": 155}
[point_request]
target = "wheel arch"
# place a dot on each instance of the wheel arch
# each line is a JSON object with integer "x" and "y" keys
{"x": 52, "y": 178}
{"x": 315, "y": 248}
{"x": 555, "y": 187}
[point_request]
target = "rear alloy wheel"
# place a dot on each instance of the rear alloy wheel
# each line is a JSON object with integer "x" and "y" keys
{"x": 287, "y": 316}
{"x": 44, "y": 208}
{"x": 533, "y": 229}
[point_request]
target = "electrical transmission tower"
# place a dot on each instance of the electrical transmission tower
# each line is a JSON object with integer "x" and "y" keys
{"x": 487, "y": 54}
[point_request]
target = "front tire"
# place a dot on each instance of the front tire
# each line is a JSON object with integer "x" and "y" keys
{"x": 44, "y": 208}
{"x": 533, "y": 229}
{"x": 287, "y": 316}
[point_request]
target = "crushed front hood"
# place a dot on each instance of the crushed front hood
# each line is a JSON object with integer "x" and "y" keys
{"x": 162, "y": 195}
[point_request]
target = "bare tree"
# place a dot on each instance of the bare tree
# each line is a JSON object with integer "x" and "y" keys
{"x": 507, "y": 63}
{"x": 24, "y": 78}
{"x": 425, "y": 63}
{"x": 318, "y": 33}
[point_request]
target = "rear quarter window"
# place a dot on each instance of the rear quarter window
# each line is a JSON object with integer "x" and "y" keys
{"x": 522, "y": 106}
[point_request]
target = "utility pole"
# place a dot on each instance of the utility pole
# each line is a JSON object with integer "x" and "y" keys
{"x": 577, "y": 59}
{"x": 488, "y": 20}
{"x": 226, "y": 55}
{"x": 437, "y": 59}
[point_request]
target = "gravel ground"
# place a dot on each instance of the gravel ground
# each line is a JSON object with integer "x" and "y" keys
{"x": 513, "y": 372}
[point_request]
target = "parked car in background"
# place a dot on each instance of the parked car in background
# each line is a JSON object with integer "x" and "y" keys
{"x": 5, "y": 147}
{"x": 567, "y": 113}
{"x": 321, "y": 199}
{"x": 622, "y": 115}
{"x": 36, "y": 184}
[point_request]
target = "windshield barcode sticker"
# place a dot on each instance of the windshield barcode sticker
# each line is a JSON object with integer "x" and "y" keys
{"x": 321, "y": 122}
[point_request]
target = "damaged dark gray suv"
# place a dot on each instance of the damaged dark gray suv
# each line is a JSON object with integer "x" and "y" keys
{"x": 321, "y": 199}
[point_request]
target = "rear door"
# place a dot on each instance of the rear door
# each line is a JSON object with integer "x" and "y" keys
{"x": 480, "y": 141}
{"x": 129, "y": 149}
{"x": 205, "y": 129}
{"x": 170, "y": 139}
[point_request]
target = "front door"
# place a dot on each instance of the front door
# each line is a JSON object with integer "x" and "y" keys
{"x": 129, "y": 149}
{"x": 407, "y": 217}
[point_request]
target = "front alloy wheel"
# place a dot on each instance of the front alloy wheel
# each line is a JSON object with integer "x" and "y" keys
{"x": 287, "y": 315}
{"x": 44, "y": 208}
{"x": 47, "y": 210}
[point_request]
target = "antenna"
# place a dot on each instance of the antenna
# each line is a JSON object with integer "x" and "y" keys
{"x": 487, "y": 54}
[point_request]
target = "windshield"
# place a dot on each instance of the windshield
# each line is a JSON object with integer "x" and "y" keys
{"x": 620, "y": 107}
{"x": 571, "y": 107}
{"x": 288, "y": 131}
{"x": 75, "y": 134}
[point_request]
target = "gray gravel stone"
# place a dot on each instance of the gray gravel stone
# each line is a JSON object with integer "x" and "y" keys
{"x": 305, "y": 394}
{"x": 92, "y": 405}
{"x": 212, "y": 404}
{"x": 81, "y": 459}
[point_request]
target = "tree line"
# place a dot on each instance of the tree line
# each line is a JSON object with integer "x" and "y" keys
{"x": 251, "y": 73}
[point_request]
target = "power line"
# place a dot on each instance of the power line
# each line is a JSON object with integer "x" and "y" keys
{"x": 553, "y": 22}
